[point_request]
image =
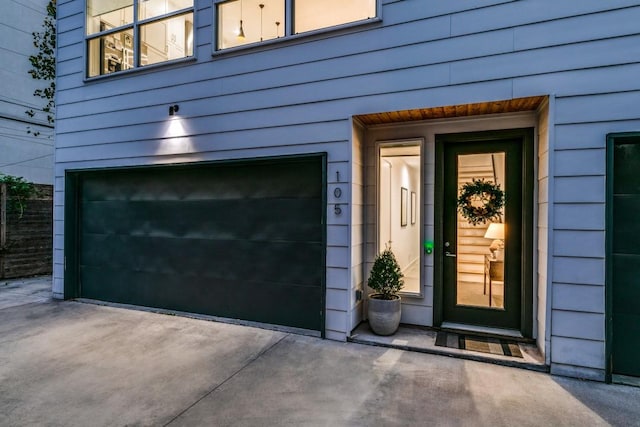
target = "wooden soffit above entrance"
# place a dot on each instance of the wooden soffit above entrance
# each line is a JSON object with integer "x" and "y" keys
{"x": 496, "y": 107}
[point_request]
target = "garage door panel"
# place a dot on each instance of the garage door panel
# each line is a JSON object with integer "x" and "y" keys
{"x": 273, "y": 219}
{"x": 210, "y": 258}
{"x": 623, "y": 253}
{"x": 628, "y": 295}
{"x": 627, "y": 230}
{"x": 232, "y": 181}
{"x": 296, "y": 305}
{"x": 241, "y": 240}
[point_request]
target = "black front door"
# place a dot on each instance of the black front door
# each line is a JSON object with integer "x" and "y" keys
{"x": 484, "y": 272}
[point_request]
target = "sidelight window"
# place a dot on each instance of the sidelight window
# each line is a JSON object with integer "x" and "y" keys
{"x": 242, "y": 22}
{"x": 126, "y": 34}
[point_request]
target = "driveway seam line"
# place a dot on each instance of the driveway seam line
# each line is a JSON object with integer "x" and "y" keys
{"x": 249, "y": 362}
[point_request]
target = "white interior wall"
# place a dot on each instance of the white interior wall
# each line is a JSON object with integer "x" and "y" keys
{"x": 405, "y": 240}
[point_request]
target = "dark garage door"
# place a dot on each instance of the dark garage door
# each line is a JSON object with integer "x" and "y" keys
{"x": 237, "y": 240}
{"x": 623, "y": 257}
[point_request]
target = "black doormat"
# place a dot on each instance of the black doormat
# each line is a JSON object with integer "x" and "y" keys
{"x": 478, "y": 343}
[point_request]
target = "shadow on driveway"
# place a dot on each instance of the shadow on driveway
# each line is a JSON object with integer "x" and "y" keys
{"x": 77, "y": 364}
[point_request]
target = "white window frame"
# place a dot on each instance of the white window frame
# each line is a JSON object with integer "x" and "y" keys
{"x": 288, "y": 28}
{"x": 135, "y": 26}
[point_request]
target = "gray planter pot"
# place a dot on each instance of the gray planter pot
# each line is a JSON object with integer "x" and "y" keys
{"x": 384, "y": 315}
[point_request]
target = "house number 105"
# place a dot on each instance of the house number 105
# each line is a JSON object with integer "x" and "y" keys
{"x": 337, "y": 193}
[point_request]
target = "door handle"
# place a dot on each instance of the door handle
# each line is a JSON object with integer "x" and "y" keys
{"x": 449, "y": 254}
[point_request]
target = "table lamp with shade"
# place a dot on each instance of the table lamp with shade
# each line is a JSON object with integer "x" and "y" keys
{"x": 496, "y": 232}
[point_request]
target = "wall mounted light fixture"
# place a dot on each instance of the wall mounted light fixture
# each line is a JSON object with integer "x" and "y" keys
{"x": 173, "y": 109}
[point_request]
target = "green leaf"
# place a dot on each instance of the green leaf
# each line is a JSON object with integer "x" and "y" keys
{"x": 386, "y": 277}
{"x": 19, "y": 191}
{"x": 44, "y": 63}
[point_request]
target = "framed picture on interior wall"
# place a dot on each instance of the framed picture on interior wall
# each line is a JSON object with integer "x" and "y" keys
{"x": 404, "y": 199}
{"x": 413, "y": 207}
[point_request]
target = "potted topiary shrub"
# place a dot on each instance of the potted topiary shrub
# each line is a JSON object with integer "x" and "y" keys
{"x": 384, "y": 305}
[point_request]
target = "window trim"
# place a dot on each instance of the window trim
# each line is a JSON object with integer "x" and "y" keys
{"x": 135, "y": 26}
{"x": 289, "y": 35}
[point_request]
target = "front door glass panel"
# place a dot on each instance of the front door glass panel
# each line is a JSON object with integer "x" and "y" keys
{"x": 481, "y": 243}
{"x": 399, "y": 208}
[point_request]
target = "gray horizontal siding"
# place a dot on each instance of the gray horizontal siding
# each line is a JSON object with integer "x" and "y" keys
{"x": 589, "y": 108}
{"x": 415, "y": 66}
{"x": 591, "y": 298}
{"x": 578, "y": 270}
{"x": 578, "y": 309}
{"x": 297, "y": 96}
{"x": 577, "y": 352}
{"x": 430, "y": 43}
{"x": 521, "y": 13}
{"x": 223, "y": 98}
{"x": 229, "y": 135}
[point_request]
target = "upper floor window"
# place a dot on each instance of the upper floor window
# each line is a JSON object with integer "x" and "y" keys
{"x": 243, "y": 22}
{"x": 125, "y": 34}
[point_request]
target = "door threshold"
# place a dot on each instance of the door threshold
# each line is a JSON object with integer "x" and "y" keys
{"x": 483, "y": 330}
{"x": 423, "y": 339}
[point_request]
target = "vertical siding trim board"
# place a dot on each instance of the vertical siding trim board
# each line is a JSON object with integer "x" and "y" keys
{"x": 325, "y": 166}
{"x": 551, "y": 125}
{"x": 70, "y": 266}
{"x": 608, "y": 299}
{"x": 356, "y": 225}
{"x": 541, "y": 243}
{"x": 85, "y": 41}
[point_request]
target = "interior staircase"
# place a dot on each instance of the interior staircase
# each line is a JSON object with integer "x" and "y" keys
{"x": 472, "y": 246}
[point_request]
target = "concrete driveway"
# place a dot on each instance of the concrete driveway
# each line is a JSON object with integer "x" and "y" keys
{"x": 71, "y": 363}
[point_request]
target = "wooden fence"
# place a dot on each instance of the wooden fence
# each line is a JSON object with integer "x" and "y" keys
{"x": 26, "y": 243}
